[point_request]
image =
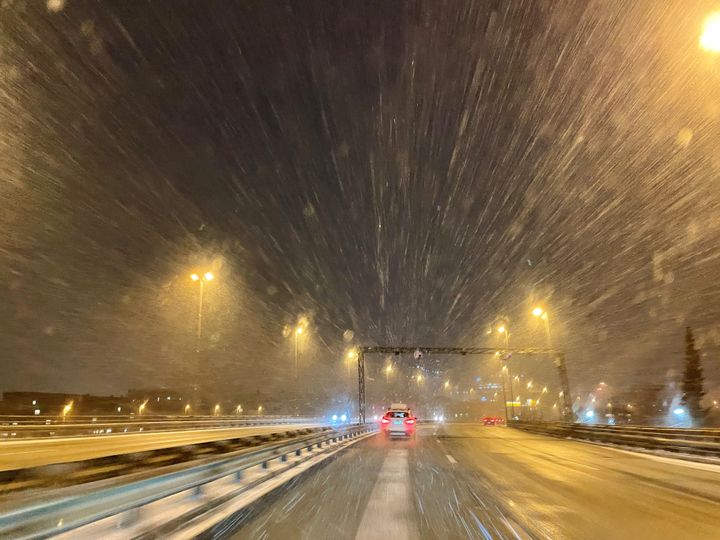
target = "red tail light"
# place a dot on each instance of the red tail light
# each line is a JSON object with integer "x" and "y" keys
{"x": 410, "y": 421}
{"x": 384, "y": 420}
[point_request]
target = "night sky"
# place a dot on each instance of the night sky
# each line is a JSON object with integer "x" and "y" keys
{"x": 396, "y": 172}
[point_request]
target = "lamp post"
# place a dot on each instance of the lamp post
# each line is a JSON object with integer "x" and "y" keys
{"x": 66, "y": 410}
{"x": 504, "y": 374}
{"x": 206, "y": 277}
{"x": 388, "y": 371}
{"x": 351, "y": 355}
{"x": 298, "y": 331}
{"x": 540, "y": 313}
{"x": 502, "y": 329}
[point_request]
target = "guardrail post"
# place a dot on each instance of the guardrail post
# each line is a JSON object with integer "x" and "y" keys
{"x": 239, "y": 475}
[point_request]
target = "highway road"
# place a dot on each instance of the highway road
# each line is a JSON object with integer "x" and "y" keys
{"x": 22, "y": 453}
{"x": 470, "y": 481}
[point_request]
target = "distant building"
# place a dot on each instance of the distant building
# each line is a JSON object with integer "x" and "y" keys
{"x": 53, "y": 403}
{"x": 158, "y": 400}
{"x": 35, "y": 403}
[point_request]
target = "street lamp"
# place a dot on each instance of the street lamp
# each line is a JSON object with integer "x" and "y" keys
{"x": 710, "y": 38}
{"x": 542, "y": 314}
{"x": 505, "y": 332}
{"x": 217, "y": 409}
{"x": 206, "y": 277}
{"x": 141, "y": 408}
{"x": 388, "y": 371}
{"x": 187, "y": 408}
{"x": 351, "y": 355}
{"x": 260, "y": 409}
{"x": 239, "y": 409}
{"x": 502, "y": 329}
{"x": 298, "y": 331}
{"x": 66, "y": 409}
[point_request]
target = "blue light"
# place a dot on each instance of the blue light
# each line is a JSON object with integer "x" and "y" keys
{"x": 343, "y": 417}
{"x": 589, "y": 414}
{"x": 679, "y": 411}
{"x": 334, "y": 417}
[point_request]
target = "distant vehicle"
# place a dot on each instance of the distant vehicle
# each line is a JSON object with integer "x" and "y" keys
{"x": 493, "y": 421}
{"x": 398, "y": 421}
{"x": 339, "y": 418}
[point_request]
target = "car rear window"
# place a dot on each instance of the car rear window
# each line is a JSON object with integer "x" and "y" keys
{"x": 397, "y": 414}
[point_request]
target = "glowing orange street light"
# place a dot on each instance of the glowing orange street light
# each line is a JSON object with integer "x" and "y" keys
{"x": 710, "y": 37}
{"x": 206, "y": 277}
{"x": 388, "y": 371}
{"x": 66, "y": 409}
{"x": 542, "y": 314}
{"x": 298, "y": 330}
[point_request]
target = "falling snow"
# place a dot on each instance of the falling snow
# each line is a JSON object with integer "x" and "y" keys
{"x": 392, "y": 172}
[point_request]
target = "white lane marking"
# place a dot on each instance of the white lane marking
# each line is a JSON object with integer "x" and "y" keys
{"x": 451, "y": 459}
{"x": 389, "y": 512}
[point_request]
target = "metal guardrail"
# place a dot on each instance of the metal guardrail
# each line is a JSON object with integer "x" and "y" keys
{"x": 88, "y": 426}
{"x": 699, "y": 442}
{"x": 125, "y": 462}
{"x": 53, "y": 517}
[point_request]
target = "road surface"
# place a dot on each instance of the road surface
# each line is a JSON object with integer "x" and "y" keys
{"x": 470, "y": 481}
{"x": 22, "y": 453}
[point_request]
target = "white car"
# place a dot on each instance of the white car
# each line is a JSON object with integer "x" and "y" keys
{"x": 398, "y": 421}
